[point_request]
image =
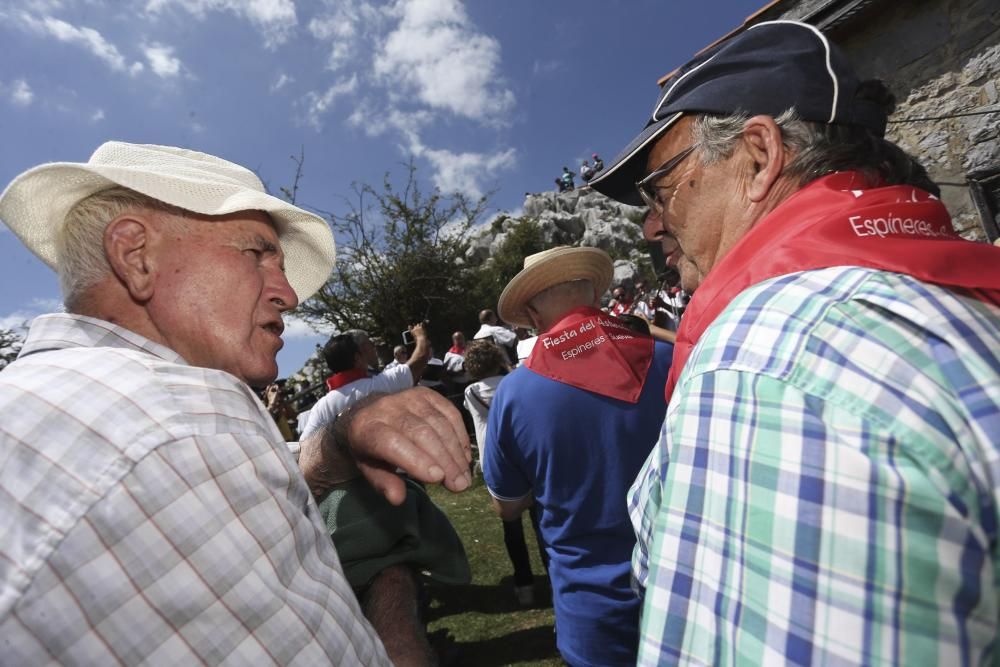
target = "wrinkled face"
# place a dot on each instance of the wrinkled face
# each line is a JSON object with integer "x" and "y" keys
{"x": 219, "y": 292}
{"x": 696, "y": 199}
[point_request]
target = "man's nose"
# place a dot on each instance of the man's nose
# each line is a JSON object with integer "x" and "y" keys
{"x": 652, "y": 227}
{"x": 282, "y": 294}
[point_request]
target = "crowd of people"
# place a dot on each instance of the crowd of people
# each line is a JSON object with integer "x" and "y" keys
{"x": 804, "y": 471}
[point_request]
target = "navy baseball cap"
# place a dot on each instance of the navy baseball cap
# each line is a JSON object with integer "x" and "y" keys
{"x": 767, "y": 69}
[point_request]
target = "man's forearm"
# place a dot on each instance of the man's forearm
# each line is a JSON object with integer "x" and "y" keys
{"x": 325, "y": 457}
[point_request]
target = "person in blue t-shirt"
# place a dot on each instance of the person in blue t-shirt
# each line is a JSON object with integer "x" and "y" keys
{"x": 569, "y": 430}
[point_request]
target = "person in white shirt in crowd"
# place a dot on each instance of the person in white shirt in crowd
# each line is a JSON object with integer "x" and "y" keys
{"x": 490, "y": 327}
{"x": 399, "y": 356}
{"x": 525, "y": 343}
{"x": 646, "y": 307}
{"x": 454, "y": 359}
{"x": 151, "y": 511}
{"x": 348, "y": 356}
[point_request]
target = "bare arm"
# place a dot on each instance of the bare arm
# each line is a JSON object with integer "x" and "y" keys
{"x": 508, "y": 510}
{"x": 417, "y": 430}
{"x": 659, "y": 333}
{"x": 421, "y": 353}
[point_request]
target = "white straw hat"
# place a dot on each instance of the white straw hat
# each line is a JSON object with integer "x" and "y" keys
{"x": 35, "y": 204}
{"x": 548, "y": 268}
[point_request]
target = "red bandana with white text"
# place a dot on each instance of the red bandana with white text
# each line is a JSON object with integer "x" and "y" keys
{"x": 338, "y": 380}
{"x": 838, "y": 221}
{"x": 592, "y": 350}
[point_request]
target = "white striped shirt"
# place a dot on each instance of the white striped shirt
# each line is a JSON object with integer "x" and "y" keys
{"x": 151, "y": 513}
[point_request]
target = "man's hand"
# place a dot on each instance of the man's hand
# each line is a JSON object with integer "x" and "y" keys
{"x": 417, "y": 430}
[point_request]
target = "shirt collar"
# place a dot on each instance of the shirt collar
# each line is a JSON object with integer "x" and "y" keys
{"x": 60, "y": 331}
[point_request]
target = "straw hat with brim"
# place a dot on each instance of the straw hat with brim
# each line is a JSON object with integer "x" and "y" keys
{"x": 35, "y": 204}
{"x": 548, "y": 268}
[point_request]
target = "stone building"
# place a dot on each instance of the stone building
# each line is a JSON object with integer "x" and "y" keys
{"x": 941, "y": 59}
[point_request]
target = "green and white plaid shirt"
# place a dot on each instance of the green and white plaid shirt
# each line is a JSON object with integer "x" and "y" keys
{"x": 825, "y": 487}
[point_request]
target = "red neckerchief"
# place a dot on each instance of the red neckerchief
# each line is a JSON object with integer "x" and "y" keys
{"x": 837, "y": 220}
{"x": 455, "y": 349}
{"x": 621, "y": 307}
{"x": 338, "y": 380}
{"x": 591, "y": 350}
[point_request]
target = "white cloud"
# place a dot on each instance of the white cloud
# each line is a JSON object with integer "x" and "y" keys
{"x": 20, "y": 319}
{"x": 318, "y": 104}
{"x": 350, "y": 24}
{"x": 161, "y": 60}
{"x": 282, "y": 81}
{"x": 427, "y": 61}
{"x": 21, "y": 94}
{"x": 97, "y": 116}
{"x": 437, "y": 54}
{"x": 88, "y": 38}
{"x": 468, "y": 173}
{"x": 297, "y": 328}
{"x": 545, "y": 67}
{"x": 274, "y": 19}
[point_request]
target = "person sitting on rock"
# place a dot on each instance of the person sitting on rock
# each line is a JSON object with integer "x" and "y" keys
{"x": 598, "y": 162}
{"x": 586, "y": 171}
{"x": 568, "y": 180}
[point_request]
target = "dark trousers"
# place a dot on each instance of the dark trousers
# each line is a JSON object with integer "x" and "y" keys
{"x": 517, "y": 547}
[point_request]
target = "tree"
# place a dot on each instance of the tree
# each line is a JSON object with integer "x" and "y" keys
{"x": 10, "y": 346}
{"x": 523, "y": 237}
{"x": 400, "y": 260}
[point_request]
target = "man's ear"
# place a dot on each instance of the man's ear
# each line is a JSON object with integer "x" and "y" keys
{"x": 128, "y": 245}
{"x": 762, "y": 140}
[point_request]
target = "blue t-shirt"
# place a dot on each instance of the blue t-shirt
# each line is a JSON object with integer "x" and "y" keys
{"x": 577, "y": 453}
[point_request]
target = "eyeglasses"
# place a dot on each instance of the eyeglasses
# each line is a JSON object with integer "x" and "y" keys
{"x": 647, "y": 187}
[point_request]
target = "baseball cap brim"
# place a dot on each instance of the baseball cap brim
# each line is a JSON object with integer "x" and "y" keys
{"x": 618, "y": 181}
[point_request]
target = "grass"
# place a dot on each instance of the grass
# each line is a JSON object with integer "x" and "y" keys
{"x": 488, "y": 626}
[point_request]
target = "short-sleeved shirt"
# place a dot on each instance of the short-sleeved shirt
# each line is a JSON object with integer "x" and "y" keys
{"x": 152, "y": 514}
{"x": 501, "y": 336}
{"x": 825, "y": 489}
{"x": 478, "y": 397}
{"x": 389, "y": 381}
{"x": 577, "y": 453}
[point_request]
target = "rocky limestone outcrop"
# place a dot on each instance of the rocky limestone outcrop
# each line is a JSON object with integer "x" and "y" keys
{"x": 582, "y": 217}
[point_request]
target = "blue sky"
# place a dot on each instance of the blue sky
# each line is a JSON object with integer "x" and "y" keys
{"x": 491, "y": 95}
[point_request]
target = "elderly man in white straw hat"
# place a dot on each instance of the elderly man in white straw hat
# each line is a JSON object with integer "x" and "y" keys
{"x": 569, "y": 429}
{"x": 151, "y": 512}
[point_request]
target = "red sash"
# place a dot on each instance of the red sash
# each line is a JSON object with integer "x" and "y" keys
{"x": 344, "y": 377}
{"x": 591, "y": 350}
{"x": 837, "y": 220}
{"x": 455, "y": 349}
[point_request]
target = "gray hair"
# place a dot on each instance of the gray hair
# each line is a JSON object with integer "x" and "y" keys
{"x": 82, "y": 262}
{"x": 817, "y": 149}
{"x": 359, "y": 336}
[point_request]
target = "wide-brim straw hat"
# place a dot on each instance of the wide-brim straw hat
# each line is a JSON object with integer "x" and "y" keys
{"x": 35, "y": 204}
{"x": 548, "y": 268}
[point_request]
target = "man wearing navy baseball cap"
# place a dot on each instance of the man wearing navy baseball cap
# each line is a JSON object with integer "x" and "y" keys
{"x": 824, "y": 488}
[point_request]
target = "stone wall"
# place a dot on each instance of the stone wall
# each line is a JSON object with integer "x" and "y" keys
{"x": 939, "y": 57}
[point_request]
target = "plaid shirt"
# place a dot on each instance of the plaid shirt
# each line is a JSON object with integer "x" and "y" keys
{"x": 150, "y": 513}
{"x": 825, "y": 487}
